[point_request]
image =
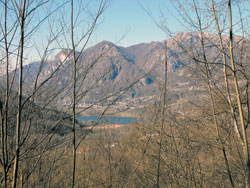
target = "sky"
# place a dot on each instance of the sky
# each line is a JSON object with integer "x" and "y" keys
{"x": 126, "y": 22}
{"x": 129, "y": 19}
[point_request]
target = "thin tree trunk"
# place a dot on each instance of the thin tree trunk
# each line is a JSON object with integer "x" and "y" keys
{"x": 2, "y": 145}
{"x": 18, "y": 124}
{"x": 5, "y": 117}
{"x": 162, "y": 119}
{"x": 110, "y": 159}
{"x": 212, "y": 98}
{"x": 236, "y": 127}
{"x": 236, "y": 86}
{"x": 73, "y": 97}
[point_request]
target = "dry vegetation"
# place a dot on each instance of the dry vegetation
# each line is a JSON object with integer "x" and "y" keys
{"x": 201, "y": 142}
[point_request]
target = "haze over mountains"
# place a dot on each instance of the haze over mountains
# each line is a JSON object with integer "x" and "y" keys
{"x": 125, "y": 77}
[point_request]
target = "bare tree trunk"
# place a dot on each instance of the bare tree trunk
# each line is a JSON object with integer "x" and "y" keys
{"x": 3, "y": 161}
{"x": 18, "y": 123}
{"x": 110, "y": 160}
{"x": 211, "y": 96}
{"x": 236, "y": 86}
{"x": 5, "y": 116}
{"x": 163, "y": 109}
{"x": 73, "y": 97}
{"x": 236, "y": 127}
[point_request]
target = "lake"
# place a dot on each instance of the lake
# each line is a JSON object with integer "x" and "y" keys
{"x": 108, "y": 119}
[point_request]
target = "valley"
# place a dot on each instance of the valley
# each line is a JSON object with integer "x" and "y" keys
{"x": 81, "y": 107}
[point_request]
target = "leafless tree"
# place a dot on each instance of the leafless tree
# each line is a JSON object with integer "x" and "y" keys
{"x": 205, "y": 17}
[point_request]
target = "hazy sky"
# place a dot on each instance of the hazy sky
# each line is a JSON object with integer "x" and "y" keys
{"x": 127, "y": 17}
{"x": 124, "y": 22}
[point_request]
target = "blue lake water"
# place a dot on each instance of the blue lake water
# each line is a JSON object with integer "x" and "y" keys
{"x": 108, "y": 119}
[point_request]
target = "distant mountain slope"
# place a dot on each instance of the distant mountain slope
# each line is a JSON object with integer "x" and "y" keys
{"x": 130, "y": 76}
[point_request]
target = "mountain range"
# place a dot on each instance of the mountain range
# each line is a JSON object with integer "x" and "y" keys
{"x": 123, "y": 77}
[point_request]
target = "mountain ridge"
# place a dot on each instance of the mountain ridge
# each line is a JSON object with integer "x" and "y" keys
{"x": 121, "y": 76}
